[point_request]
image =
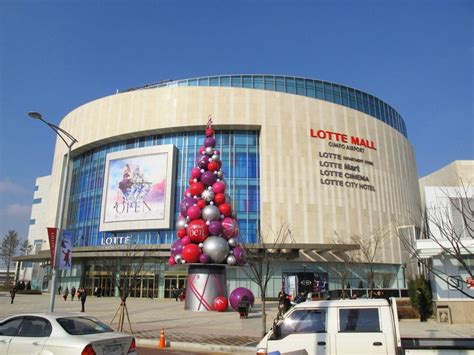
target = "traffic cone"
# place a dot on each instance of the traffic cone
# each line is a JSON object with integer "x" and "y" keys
{"x": 162, "y": 343}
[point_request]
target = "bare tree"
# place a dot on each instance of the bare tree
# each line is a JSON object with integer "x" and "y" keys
{"x": 25, "y": 247}
{"x": 8, "y": 250}
{"x": 449, "y": 226}
{"x": 262, "y": 262}
{"x": 343, "y": 264}
{"x": 369, "y": 249}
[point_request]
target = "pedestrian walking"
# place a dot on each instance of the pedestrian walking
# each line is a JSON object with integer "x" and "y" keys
{"x": 73, "y": 293}
{"x": 422, "y": 304}
{"x": 83, "y": 298}
{"x": 13, "y": 293}
{"x": 66, "y": 293}
{"x": 60, "y": 288}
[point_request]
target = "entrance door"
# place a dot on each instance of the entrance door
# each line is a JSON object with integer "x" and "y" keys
{"x": 173, "y": 282}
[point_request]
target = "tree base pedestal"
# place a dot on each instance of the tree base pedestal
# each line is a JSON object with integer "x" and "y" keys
{"x": 205, "y": 283}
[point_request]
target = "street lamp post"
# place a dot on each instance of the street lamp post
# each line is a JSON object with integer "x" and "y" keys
{"x": 69, "y": 140}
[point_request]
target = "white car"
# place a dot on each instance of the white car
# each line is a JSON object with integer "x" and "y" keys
{"x": 62, "y": 334}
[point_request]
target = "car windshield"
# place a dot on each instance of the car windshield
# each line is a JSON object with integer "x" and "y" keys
{"x": 83, "y": 325}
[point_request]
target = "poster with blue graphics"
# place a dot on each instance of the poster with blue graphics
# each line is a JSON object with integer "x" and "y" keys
{"x": 65, "y": 254}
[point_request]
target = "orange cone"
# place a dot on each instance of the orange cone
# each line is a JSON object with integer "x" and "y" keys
{"x": 162, "y": 343}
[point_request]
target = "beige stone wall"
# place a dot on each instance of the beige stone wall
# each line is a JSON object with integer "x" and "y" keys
{"x": 462, "y": 312}
{"x": 291, "y": 189}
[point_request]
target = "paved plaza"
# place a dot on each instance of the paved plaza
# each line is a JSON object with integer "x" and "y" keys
{"x": 183, "y": 329}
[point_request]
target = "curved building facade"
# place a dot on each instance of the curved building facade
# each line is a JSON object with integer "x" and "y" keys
{"x": 328, "y": 161}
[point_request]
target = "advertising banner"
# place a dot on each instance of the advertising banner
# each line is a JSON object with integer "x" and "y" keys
{"x": 52, "y": 236}
{"x": 65, "y": 257}
{"x": 138, "y": 189}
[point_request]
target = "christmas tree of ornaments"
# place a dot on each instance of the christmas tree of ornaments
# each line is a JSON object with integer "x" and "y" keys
{"x": 207, "y": 228}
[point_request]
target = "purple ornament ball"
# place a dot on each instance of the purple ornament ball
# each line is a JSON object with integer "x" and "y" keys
{"x": 240, "y": 255}
{"x": 236, "y": 296}
{"x": 204, "y": 258}
{"x": 209, "y": 142}
{"x": 186, "y": 203}
{"x": 215, "y": 228}
{"x": 176, "y": 247}
{"x": 208, "y": 178}
{"x": 203, "y": 164}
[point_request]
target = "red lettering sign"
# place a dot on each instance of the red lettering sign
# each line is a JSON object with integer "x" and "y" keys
{"x": 52, "y": 236}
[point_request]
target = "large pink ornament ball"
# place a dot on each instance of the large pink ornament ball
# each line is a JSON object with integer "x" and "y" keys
{"x": 230, "y": 228}
{"x": 240, "y": 255}
{"x": 171, "y": 261}
{"x": 236, "y": 296}
{"x": 185, "y": 240}
{"x": 196, "y": 173}
{"x": 197, "y": 231}
{"x": 218, "y": 187}
{"x": 191, "y": 253}
{"x": 220, "y": 304}
{"x": 194, "y": 212}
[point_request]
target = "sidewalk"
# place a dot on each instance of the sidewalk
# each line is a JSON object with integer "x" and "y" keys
{"x": 211, "y": 331}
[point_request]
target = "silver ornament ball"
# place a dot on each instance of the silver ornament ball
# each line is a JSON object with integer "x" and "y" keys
{"x": 231, "y": 260}
{"x": 232, "y": 242}
{"x": 209, "y": 150}
{"x": 211, "y": 213}
{"x": 208, "y": 195}
{"x": 217, "y": 248}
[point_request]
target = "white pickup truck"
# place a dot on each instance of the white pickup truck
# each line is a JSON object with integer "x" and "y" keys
{"x": 366, "y": 326}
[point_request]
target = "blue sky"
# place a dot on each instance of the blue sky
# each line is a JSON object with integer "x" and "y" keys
{"x": 58, "y": 55}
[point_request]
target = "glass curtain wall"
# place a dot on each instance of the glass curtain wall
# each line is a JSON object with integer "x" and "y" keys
{"x": 240, "y": 163}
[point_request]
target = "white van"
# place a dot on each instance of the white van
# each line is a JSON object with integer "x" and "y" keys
{"x": 365, "y": 326}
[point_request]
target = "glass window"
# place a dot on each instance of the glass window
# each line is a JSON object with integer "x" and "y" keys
{"x": 10, "y": 327}
{"x": 192, "y": 82}
{"x": 310, "y": 90}
{"x": 36, "y": 187}
{"x": 247, "y": 81}
{"x": 304, "y": 321}
{"x": 300, "y": 90}
{"x": 225, "y": 81}
{"x": 32, "y": 221}
{"x": 359, "y": 320}
{"x": 328, "y": 92}
{"x": 204, "y": 82}
{"x": 269, "y": 82}
{"x": 236, "y": 81}
{"x": 35, "y": 327}
{"x": 290, "y": 85}
{"x": 36, "y": 201}
{"x": 337, "y": 94}
{"x": 319, "y": 90}
{"x": 280, "y": 84}
{"x": 83, "y": 325}
{"x": 214, "y": 81}
{"x": 258, "y": 82}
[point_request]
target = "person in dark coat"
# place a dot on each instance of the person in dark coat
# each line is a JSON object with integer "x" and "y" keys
{"x": 66, "y": 293}
{"x": 243, "y": 307}
{"x": 83, "y": 298}
{"x": 73, "y": 293}
{"x": 422, "y": 305}
{"x": 13, "y": 294}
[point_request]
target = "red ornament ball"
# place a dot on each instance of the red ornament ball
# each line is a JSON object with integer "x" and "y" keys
{"x": 201, "y": 204}
{"x": 194, "y": 212}
{"x": 197, "y": 231}
{"x": 213, "y": 166}
{"x": 225, "y": 209}
{"x": 196, "y": 188}
{"x": 219, "y": 198}
{"x": 181, "y": 232}
{"x": 191, "y": 253}
{"x": 209, "y": 132}
{"x": 220, "y": 304}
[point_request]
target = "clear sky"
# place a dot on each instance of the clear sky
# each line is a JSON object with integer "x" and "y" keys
{"x": 57, "y": 55}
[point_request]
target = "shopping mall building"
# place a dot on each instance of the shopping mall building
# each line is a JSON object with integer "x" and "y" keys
{"x": 328, "y": 161}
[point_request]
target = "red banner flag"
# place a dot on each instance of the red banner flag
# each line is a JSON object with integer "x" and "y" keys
{"x": 52, "y": 236}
